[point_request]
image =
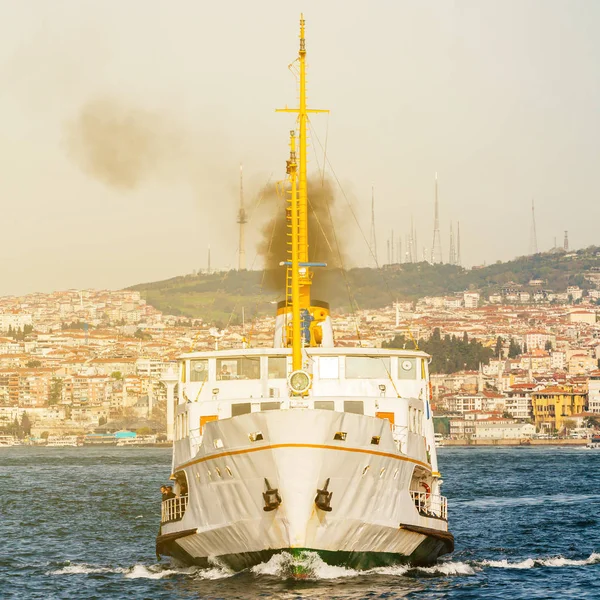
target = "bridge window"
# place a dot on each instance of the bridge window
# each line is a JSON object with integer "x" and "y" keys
{"x": 324, "y": 404}
{"x": 277, "y": 367}
{"x": 354, "y": 406}
{"x": 242, "y": 408}
{"x": 199, "y": 370}
{"x": 407, "y": 368}
{"x": 244, "y": 367}
{"x": 367, "y": 367}
{"x": 269, "y": 405}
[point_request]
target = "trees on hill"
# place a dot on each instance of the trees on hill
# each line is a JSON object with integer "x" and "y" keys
{"x": 449, "y": 354}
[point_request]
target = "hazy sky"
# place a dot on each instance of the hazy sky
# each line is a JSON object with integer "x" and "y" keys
{"x": 500, "y": 97}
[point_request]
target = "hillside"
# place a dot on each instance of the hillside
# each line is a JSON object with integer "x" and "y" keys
{"x": 219, "y": 297}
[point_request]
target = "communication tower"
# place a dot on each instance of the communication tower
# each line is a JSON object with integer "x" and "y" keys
{"x": 452, "y": 252}
{"x": 533, "y": 245}
{"x": 373, "y": 232}
{"x": 242, "y": 220}
{"x": 436, "y": 246}
{"x": 458, "y": 261}
{"x": 566, "y": 242}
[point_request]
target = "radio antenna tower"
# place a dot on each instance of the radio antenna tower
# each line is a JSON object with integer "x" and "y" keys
{"x": 566, "y": 242}
{"x": 458, "y": 262}
{"x": 436, "y": 246}
{"x": 533, "y": 246}
{"x": 242, "y": 220}
{"x": 451, "y": 255}
{"x": 373, "y": 233}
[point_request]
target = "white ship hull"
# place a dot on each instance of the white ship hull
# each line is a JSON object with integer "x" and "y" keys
{"x": 373, "y": 518}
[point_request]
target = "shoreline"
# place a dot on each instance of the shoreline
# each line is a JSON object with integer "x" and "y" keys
{"x": 513, "y": 442}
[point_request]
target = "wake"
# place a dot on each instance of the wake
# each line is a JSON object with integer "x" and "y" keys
{"x": 284, "y": 566}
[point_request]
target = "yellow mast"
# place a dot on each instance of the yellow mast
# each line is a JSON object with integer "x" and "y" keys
{"x": 301, "y": 277}
{"x": 292, "y": 169}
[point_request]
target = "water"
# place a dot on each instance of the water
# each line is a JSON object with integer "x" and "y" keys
{"x": 81, "y": 523}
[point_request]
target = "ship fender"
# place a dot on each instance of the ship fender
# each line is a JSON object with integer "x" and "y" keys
{"x": 323, "y": 498}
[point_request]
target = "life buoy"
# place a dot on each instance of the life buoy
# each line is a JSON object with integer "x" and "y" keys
{"x": 427, "y": 490}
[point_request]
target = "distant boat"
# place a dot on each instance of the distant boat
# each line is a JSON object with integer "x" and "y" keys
{"x": 593, "y": 443}
{"x": 7, "y": 441}
{"x": 63, "y": 441}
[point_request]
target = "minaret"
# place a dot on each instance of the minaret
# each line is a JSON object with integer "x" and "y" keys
{"x": 242, "y": 220}
{"x": 566, "y": 242}
{"x": 533, "y": 245}
{"x": 436, "y": 246}
{"x": 451, "y": 255}
{"x": 458, "y": 261}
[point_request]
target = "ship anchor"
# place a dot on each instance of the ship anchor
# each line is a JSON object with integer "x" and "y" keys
{"x": 323, "y": 498}
{"x": 271, "y": 497}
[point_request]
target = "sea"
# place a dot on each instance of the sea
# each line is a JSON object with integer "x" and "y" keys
{"x": 81, "y": 523}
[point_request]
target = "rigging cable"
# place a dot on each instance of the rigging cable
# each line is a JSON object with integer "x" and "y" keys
{"x": 352, "y": 211}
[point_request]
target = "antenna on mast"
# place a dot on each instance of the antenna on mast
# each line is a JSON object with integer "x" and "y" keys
{"x": 452, "y": 253}
{"x": 373, "y": 232}
{"x": 533, "y": 245}
{"x": 436, "y": 246}
{"x": 242, "y": 220}
{"x": 458, "y": 261}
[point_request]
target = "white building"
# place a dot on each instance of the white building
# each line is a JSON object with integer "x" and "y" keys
{"x": 594, "y": 392}
{"x": 539, "y": 339}
{"x": 502, "y": 429}
{"x": 14, "y": 321}
{"x": 471, "y": 299}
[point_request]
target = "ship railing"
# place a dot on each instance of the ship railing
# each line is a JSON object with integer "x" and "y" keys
{"x": 400, "y": 433}
{"x": 430, "y": 505}
{"x": 173, "y": 509}
{"x": 195, "y": 439}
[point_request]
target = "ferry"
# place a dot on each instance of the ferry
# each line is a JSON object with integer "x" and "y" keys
{"x": 7, "y": 441}
{"x": 593, "y": 442}
{"x": 139, "y": 440}
{"x": 63, "y": 441}
{"x": 304, "y": 446}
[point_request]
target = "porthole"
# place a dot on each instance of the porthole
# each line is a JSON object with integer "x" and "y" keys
{"x": 229, "y": 471}
{"x": 218, "y": 471}
{"x": 381, "y": 473}
{"x": 396, "y": 474}
{"x": 365, "y": 470}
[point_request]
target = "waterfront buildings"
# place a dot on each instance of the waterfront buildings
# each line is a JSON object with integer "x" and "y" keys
{"x": 72, "y": 360}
